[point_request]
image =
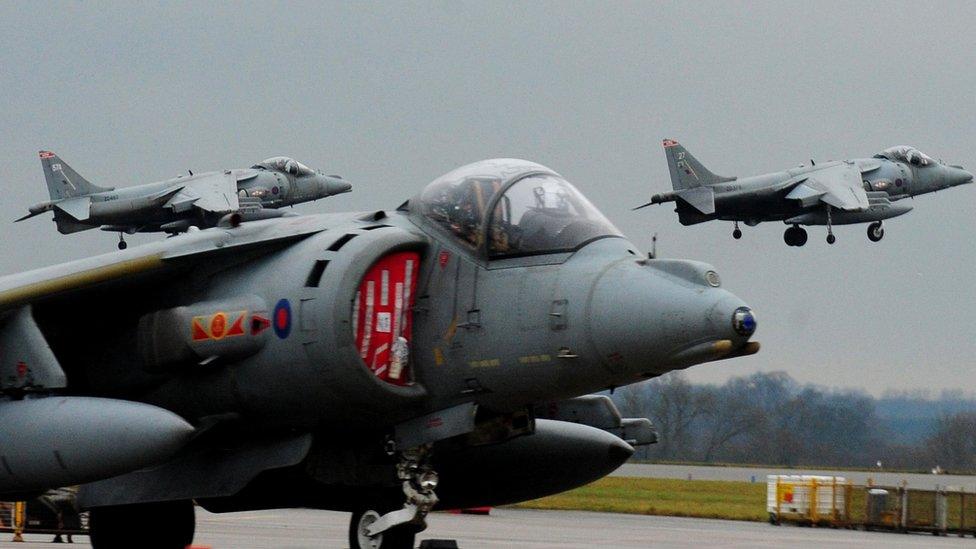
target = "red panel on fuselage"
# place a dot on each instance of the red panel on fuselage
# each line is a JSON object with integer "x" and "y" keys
{"x": 382, "y": 313}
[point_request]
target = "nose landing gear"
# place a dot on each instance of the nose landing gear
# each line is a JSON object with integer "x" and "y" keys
{"x": 396, "y": 529}
{"x": 830, "y": 228}
{"x": 795, "y": 236}
{"x": 122, "y": 244}
{"x": 875, "y": 231}
{"x": 736, "y": 232}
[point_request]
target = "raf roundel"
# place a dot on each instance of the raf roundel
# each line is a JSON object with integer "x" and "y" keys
{"x": 282, "y": 319}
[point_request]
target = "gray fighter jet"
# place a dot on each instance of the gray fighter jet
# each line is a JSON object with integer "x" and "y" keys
{"x": 863, "y": 190}
{"x": 384, "y": 363}
{"x": 175, "y": 205}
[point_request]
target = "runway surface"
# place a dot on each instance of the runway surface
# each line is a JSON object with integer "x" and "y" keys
{"x": 747, "y": 474}
{"x": 516, "y": 528}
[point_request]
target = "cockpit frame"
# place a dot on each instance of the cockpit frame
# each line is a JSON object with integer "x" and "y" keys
{"x": 906, "y": 154}
{"x": 284, "y": 164}
{"x": 478, "y": 240}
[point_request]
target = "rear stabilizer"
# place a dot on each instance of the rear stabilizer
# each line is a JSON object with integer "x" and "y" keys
{"x": 68, "y": 225}
{"x": 62, "y": 181}
{"x": 686, "y": 171}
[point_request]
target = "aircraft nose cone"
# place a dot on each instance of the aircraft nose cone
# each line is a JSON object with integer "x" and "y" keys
{"x": 665, "y": 315}
{"x": 958, "y": 176}
{"x": 338, "y": 186}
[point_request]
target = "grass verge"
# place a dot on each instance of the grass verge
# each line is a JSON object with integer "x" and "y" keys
{"x": 667, "y": 497}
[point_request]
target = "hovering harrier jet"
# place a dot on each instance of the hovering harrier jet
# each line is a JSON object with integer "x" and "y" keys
{"x": 175, "y": 205}
{"x": 863, "y": 190}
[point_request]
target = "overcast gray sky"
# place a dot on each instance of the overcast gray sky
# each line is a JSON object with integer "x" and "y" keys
{"x": 391, "y": 95}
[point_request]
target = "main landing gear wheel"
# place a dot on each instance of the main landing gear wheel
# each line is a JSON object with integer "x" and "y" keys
{"x": 831, "y": 238}
{"x": 122, "y": 244}
{"x": 400, "y": 537}
{"x": 875, "y": 231}
{"x": 795, "y": 236}
{"x": 736, "y": 232}
{"x": 166, "y": 525}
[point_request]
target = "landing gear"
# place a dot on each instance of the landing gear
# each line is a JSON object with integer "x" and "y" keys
{"x": 401, "y": 537}
{"x": 795, "y": 236}
{"x": 166, "y": 525}
{"x": 875, "y": 231}
{"x": 830, "y": 228}
{"x": 396, "y": 529}
{"x": 736, "y": 232}
{"x": 122, "y": 243}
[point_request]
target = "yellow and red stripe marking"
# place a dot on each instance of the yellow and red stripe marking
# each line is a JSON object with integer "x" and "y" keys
{"x": 218, "y": 325}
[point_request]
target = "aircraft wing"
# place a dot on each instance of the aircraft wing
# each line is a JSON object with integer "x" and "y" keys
{"x": 839, "y": 186}
{"x": 188, "y": 251}
{"x": 216, "y": 193}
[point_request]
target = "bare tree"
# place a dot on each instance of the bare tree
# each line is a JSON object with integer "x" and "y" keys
{"x": 953, "y": 446}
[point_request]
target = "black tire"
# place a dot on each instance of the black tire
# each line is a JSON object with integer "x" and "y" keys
{"x": 123, "y": 244}
{"x": 875, "y": 232}
{"x": 737, "y": 234}
{"x": 166, "y": 525}
{"x": 401, "y": 537}
{"x": 789, "y": 236}
{"x": 831, "y": 239}
{"x": 801, "y": 236}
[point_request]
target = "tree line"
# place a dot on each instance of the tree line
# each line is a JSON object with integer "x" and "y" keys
{"x": 770, "y": 419}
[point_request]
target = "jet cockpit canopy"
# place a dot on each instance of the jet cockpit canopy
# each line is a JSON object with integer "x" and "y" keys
{"x": 906, "y": 153}
{"x": 284, "y": 164}
{"x": 508, "y": 207}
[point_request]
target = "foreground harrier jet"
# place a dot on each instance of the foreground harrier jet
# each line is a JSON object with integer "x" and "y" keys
{"x": 384, "y": 363}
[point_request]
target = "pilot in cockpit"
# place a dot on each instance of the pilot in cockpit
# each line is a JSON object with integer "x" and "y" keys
{"x": 460, "y": 208}
{"x": 511, "y": 208}
{"x": 906, "y": 153}
{"x": 286, "y": 165}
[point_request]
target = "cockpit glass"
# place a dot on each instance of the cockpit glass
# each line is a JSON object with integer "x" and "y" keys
{"x": 459, "y": 206}
{"x": 539, "y": 213}
{"x": 284, "y": 164}
{"x": 543, "y": 214}
{"x": 905, "y": 153}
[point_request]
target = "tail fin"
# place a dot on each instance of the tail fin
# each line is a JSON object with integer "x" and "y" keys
{"x": 686, "y": 171}
{"x": 62, "y": 181}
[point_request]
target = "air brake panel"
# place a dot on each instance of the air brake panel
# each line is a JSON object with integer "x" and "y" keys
{"x": 382, "y": 316}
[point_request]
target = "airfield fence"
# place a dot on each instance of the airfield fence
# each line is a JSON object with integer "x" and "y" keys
{"x": 835, "y": 502}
